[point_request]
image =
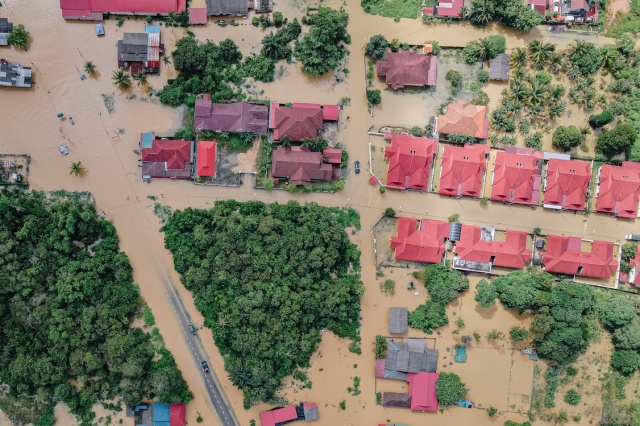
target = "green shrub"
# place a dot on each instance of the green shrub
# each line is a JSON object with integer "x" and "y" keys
{"x": 374, "y": 97}
{"x": 572, "y": 397}
{"x": 602, "y": 119}
{"x": 482, "y": 75}
{"x": 518, "y": 334}
{"x": 377, "y": 47}
{"x": 449, "y": 389}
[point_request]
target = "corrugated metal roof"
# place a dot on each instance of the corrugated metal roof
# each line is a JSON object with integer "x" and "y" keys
{"x": 228, "y": 7}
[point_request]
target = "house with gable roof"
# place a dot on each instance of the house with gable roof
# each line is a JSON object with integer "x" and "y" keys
{"x": 410, "y": 161}
{"x": 618, "y": 189}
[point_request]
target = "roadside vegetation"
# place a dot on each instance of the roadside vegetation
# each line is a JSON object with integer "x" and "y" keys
{"x": 19, "y": 37}
{"x": 510, "y": 13}
{"x": 67, "y": 301}
{"x": 626, "y": 22}
{"x": 267, "y": 279}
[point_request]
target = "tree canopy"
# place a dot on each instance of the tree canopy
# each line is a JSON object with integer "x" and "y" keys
{"x": 444, "y": 284}
{"x": 566, "y": 138}
{"x": 323, "y": 47}
{"x": 618, "y": 140}
{"x": 510, "y": 13}
{"x": 67, "y": 300}
{"x": 449, "y": 389}
{"x": 484, "y": 49}
{"x": 486, "y": 293}
{"x": 377, "y": 47}
{"x": 267, "y": 279}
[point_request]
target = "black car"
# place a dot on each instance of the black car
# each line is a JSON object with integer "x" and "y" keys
{"x": 192, "y": 329}
{"x": 205, "y": 366}
{"x": 356, "y": 164}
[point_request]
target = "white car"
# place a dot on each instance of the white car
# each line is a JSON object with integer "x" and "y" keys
{"x": 63, "y": 149}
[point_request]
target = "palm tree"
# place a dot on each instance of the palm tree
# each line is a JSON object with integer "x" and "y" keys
{"x": 557, "y": 92}
{"x": 580, "y": 48}
{"x": 89, "y": 67}
{"x": 608, "y": 57}
{"x": 141, "y": 78}
{"x": 539, "y": 52}
{"x": 556, "y": 62}
{"x": 518, "y": 90}
{"x": 482, "y": 11}
{"x": 77, "y": 169}
{"x": 271, "y": 46}
{"x": 519, "y": 74}
{"x": 171, "y": 20}
{"x": 121, "y": 79}
{"x": 556, "y": 109}
{"x": 240, "y": 374}
{"x": 537, "y": 94}
{"x": 518, "y": 58}
{"x": 166, "y": 60}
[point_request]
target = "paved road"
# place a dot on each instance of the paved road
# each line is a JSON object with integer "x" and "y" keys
{"x": 224, "y": 411}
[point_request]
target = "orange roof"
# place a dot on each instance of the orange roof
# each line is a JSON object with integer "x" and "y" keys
{"x": 564, "y": 255}
{"x": 410, "y": 161}
{"x": 462, "y": 170}
{"x": 567, "y": 184}
{"x": 463, "y": 118}
{"x": 511, "y": 253}
{"x": 206, "y": 162}
{"x": 516, "y": 177}
{"x": 420, "y": 241}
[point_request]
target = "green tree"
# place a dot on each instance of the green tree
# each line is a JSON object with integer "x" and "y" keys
{"x": 428, "y": 316}
{"x": 89, "y": 67}
{"x": 19, "y": 37}
{"x": 486, "y": 294}
{"x": 602, "y": 119}
{"x": 121, "y": 79}
{"x": 482, "y": 12}
{"x": 518, "y": 57}
{"x": 625, "y": 362}
{"x": 141, "y": 78}
{"x": 628, "y": 336}
{"x": 77, "y": 169}
{"x": 618, "y": 140}
{"x": 616, "y": 311}
{"x": 322, "y": 48}
{"x": 444, "y": 283}
{"x": 374, "y": 97}
{"x": 449, "y": 389}
{"x": 518, "y": 334}
{"x": 572, "y": 397}
{"x": 566, "y": 138}
{"x": 377, "y": 47}
{"x": 389, "y": 212}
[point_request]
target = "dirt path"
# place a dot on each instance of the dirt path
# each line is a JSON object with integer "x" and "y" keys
{"x": 614, "y": 7}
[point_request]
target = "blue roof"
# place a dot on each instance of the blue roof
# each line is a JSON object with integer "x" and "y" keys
{"x": 99, "y": 29}
{"x": 151, "y": 29}
{"x": 147, "y": 140}
{"x": 161, "y": 414}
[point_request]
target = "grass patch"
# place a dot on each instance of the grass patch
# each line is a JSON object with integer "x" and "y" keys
{"x": 392, "y": 8}
{"x": 626, "y": 22}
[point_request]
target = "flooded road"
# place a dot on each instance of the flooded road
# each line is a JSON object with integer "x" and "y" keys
{"x": 105, "y": 143}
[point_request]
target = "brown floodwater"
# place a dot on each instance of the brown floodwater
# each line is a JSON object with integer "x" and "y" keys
{"x": 105, "y": 143}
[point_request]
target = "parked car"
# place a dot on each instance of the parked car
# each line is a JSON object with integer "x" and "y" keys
{"x": 63, "y": 149}
{"x": 356, "y": 164}
{"x": 205, "y": 366}
{"x": 632, "y": 237}
{"x": 192, "y": 329}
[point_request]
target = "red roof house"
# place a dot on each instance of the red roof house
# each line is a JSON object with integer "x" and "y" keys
{"x": 478, "y": 245}
{"x": 619, "y": 189}
{"x": 235, "y": 117}
{"x": 410, "y": 160}
{"x": 449, "y": 9}
{"x": 95, "y": 9}
{"x": 462, "y": 170}
{"x": 198, "y": 12}
{"x": 539, "y": 6}
{"x": 307, "y": 411}
{"x": 634, "y": 274}
{"x": 516, "y": 177}
{"x": 463, "y": 118}
{"x": 299, "y": 165}
{"x": 406, "y": 68}
{"x": 422, "y": 388}
{"x": 333, "y": 155}
{"x": 178, "y": 415}
{"x": 567, "y": 184}
{"x": 564, "y": 255}
{"x": 420, "y": 240}
{"x": 206, "y": 160}
{"x": 163, "y": 158}
{"x": 296, "y": 123}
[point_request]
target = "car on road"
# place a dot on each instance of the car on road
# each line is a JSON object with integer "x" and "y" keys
{"x": 632, "y": 237}
{"x": 205, "y": 366}
{"x": 192, "y": 329}
{"x": 63, "y": 149}
{"x": 356, "y": 164}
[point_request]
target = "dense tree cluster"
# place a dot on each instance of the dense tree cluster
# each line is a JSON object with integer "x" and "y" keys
{"x": 561, "y": 326}
{"x": 267, "y": 279}
{"x": 486, "y": 293}
{"x": 510, "y": 13}
{"x": 444, "y": 285}
{"x": 619, "y": 316}
{"x": 617, "y": 141}
{"x": 449, "y": 389}
{"x": 484, "y": 49}
{"x": 566, "y": 138}
{"x": 377, "y": 47}
{"x": 67, "y": 299}
{"x": 323, "y": 47}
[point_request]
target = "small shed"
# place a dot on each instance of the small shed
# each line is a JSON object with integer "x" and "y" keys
{"x": 99, "y": 29}
{"x": 398, "y": 320}
{"x": 499, "y": 68}
{"x": 396, "y": 399}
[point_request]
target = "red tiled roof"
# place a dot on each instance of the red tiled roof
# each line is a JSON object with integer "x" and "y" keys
{"x": 450, "y": 8}
{"x": 295, "y": 123}
{"x": 198, "y": 15}
{"x": 463, "y": 118}
{"x": 178, "y": 414}
{"x": 406, "y": 68}
{"x": 206, "y": 162}
{"x": 635, "y": 267}
{"x": 380, "y": 363}
{"x": 516, "y": 178}
{"x": 167, "y": 158}
{"x": 427, "y": 11}
{"x": 619, "y": 190}
{"x": 299, "y": 165}
{"x": 330, "y": 112}
{"x": 235, "y": 117}
{"x": 565, "y": 256}
{"x": 422, "y": 389}
{"x": 537, "y": 2}
{"x": 420, "y": 245}
{"x": 271, "y": 418}
{"x": 143, "y": 7}
{"x": 333, "y": 154}
{"x": 511, "y": 253}
{"x": 579, "y": 4}
{"x": 567, "y": 183}
{"x": 462, "y": 170}
{"x": 410, "y": 161}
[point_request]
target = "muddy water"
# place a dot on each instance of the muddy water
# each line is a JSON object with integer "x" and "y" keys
{"x": 105, "y": 142}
